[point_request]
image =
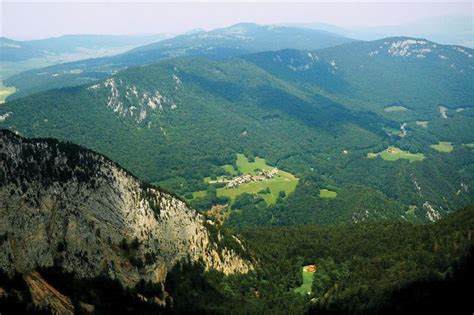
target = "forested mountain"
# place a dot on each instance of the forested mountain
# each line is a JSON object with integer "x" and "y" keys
{"x": 216, "y": 44}
{"x": 366, "y": 135}
{"x": 81, "y": 235}
{"x": 409, "y": 72}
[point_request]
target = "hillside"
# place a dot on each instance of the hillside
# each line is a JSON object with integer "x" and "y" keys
{"x": 216, "y": 44}
{"x": 68, "y": 209}
{"x": 365, "y": 268}
{"x": 414, "y": 73}
{"x": 370, "y": 157}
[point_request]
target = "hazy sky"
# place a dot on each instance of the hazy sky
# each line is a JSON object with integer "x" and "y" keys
{"x": 35, "y": 19}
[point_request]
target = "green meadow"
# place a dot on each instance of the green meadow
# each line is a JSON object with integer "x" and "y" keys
{"x": 395, "y": 109}
{"x": 445, "y": 147}
{"x": 306, "y": 287}
{"x": 230, "y": 169}
{"x": 422, "y": 123}
{"x": 247, "y": 167}
{"x": 269, "y": 189}
{"x": 326, "y": 193}
{"x": 394, "y": 154}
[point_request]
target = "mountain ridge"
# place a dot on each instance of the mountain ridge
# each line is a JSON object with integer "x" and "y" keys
{"x": 71, "y": 208}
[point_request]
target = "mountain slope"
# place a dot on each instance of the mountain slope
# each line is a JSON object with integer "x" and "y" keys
{"x": 68, "y": 207}
{"x": 364, "y": 268}
{"x": 216, "y": 44}
{"x": 414, "y": 73}
{"x": 156, "y": 120}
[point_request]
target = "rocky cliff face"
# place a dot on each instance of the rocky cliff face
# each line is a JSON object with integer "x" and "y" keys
{"x": 62, "y": 205}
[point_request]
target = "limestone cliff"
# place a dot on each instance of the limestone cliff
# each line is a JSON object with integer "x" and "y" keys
{"x": 66, "y": 206}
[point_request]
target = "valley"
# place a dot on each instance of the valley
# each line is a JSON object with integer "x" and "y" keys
{"x": 256, "y": 178}
{"x": 153, "y": 118}
{"x": 234, "y": 168}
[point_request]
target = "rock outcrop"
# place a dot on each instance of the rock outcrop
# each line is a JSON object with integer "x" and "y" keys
{"x": 66, "y": 206}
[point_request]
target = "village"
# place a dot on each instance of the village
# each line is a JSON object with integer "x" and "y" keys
{"x": 247, "y": 178}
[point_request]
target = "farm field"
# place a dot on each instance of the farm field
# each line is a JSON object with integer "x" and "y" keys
{"x": 394, "y": 154}
{"x": 445, "y": 147}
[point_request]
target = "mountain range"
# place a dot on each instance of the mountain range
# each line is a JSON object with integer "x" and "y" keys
{"x": 14, "y": 50}
{"x": 322, "y": 115}
{"x": 215, "y": 44}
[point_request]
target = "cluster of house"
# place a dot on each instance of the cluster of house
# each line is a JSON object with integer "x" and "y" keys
{"x": 247, "y": 178}
{"x": 310, "y": 268}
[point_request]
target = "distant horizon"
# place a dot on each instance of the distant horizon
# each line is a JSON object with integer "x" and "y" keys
{"x": 46, "y": 20}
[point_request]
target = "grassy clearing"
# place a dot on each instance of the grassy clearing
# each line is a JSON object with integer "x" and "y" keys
{"x": 305, "y": 288}
{"x": 469, "y": 145}
{"x": 247, "y": 167}
{"x": 445, "y": 147}
{"x": 394, "y": 154}
{"x": 395, "y": 109}
{"x": 282, "y": 181}
{"x": 229, "y": 169}
{"x": 5, "y": 92}
{"x": 325, "y": 193}
{"x": 422, "y": 123}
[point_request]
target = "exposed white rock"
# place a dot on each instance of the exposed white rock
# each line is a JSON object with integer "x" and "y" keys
{"x": 443, "y": 111}
{"x": 177, "y": 79}
{"x": 80, "y": 211}
{"x": 5, "y": 116}
{"x": 375, "y": 52}
{"x": 461, "y": 50}
{"x": 431, "y": 213}
{"x": 134, "y": 101}
{"x": 407, "y": 47}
